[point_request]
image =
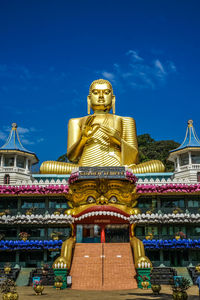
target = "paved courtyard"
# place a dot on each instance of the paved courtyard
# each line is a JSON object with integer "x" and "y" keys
{"x": 26, "y": 293}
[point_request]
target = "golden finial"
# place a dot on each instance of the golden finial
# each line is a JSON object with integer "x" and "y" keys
{"x": 14, "y": 126}
{"x": 190, "y": 123}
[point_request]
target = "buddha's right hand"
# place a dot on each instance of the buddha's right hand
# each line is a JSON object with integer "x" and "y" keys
{"x": 89, "y": 129}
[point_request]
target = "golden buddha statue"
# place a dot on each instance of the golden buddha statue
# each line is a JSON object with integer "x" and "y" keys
{"x": 102, "y": 139}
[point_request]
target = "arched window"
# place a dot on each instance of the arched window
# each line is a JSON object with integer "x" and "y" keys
{"x": 7, "y": 179}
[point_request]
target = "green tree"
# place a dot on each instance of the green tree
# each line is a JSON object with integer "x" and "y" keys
{"x": 150, "y": 149}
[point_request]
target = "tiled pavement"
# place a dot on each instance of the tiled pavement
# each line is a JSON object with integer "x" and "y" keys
{"x": 26, "y": 293}
{"x": 103, "y": 267}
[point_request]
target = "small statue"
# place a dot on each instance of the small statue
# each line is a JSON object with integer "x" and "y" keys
{"x": 102, "y": 139}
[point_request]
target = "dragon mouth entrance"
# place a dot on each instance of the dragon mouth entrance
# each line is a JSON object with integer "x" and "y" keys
{"x": 102, "y": 214}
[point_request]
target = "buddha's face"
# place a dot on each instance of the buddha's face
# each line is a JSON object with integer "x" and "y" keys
{"x": 101, "y": 97}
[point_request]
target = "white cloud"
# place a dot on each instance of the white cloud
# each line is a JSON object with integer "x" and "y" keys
{"x": 23, "y": 130}
{"x": 40, "y": 140}
{"x": 159, "y": 66}
{"x": 109, "y": 76}
{"x": 27, "y": 141}
{"x": 2, "y": 135}
{"x": 134, "y": 55}
{"x": 140, "y": 73}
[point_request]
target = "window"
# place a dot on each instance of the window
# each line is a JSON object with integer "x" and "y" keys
{"x": 9, "y": 161}
{"x": 33, "y": 204}
{"x": 194, "y": 201}
{"x": 140, "y": 231}
{"x": 196, "y": 231}
{"x": 59, "y": 203}
{"x": 7, "y": 179}
{"x": 21, "y": 162}
{"x": 145, "y": 202}
{"x": 151, "y": 229}
{"x": 166, "y": 255}
{"x": 195, "y": 157}
{"x": 195, "y": 255}
{"x": 184, "y": 159}
{"x": 34, "y": 232}
{"x": 8, "y": 203}
{"x": 172, "y": 202}
{"x": 153, "y": 255}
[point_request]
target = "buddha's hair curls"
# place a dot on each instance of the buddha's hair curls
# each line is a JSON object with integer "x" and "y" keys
{"x": 100, "y": 81}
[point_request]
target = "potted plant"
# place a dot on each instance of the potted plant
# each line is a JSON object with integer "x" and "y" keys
{"x": 58, "y": 211}
{"x": 38, "y": 287}
{"x": 5, "y": 212}
{"x": 156, "y": 287}
{"x": 30, "y": 211}
{"x": 150, "y": 211}
{"x": 2, "y": 235}
{"x": 179, "y": 288}
{"x": 180, "y": 235}
{"x": 58, "y": 282}
{"x": 8, "y": 289}
{"x": 7, "y": 268}
{"x": 144, "y": 281}
{"x": 55, "y": 235}
{"x": 45, "y": 269}
{"x": 149, "y": 236}
{"x": 197, "y": 268}
{"x": 23, "y": 236}
{"x": 177, "y": 210}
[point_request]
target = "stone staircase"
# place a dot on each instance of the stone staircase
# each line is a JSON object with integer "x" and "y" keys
{"x": 103, "y": 267}
{"x": 23, "y": 277}
{"x": 183, "y": 271}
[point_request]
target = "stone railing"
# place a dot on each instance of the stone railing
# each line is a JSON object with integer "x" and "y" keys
{"x": 42, "y": 182}
{"x": 190, "y": 167}
{"x": 165, "y": 218}
{"x": 37, "y": 219}
{"x": 14, "y": 169}
{"x": 158, "y": 181}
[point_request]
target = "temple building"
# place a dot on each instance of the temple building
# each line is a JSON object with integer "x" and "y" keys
{"x": 151, "y": 217}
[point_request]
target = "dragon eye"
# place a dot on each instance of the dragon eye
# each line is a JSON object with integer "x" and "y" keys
{"x": 90, "y": 199}
{"x": 113, "y": 199}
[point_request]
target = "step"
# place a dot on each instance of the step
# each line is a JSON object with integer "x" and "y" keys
{"x": 183, "y": 271}
{"x": 23, "y": 277}
{"x": 103, "y": 267}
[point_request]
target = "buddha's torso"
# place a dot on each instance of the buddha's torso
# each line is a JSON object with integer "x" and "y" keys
{"x": 100, "y": 150}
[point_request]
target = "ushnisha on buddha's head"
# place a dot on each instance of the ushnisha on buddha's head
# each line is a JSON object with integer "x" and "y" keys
{"x": 101, "y": 98}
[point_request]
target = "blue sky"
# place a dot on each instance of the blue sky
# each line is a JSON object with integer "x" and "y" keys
{"x": 50, "y": 52}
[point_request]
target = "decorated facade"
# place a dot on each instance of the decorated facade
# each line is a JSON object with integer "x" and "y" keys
{"x": 104, "y": 195}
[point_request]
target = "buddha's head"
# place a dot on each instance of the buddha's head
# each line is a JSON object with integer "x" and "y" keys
{"x": 101, "y": 98}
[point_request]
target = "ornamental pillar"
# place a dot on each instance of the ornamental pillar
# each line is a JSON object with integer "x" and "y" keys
{"x": 178, "y": 163}
{"x": 15, "y": 161}
{"x": 103, "y": 237}
{"x": 26, "y": 163}
{"x": 2, "y": 159}
{"x": 190, "y": 158}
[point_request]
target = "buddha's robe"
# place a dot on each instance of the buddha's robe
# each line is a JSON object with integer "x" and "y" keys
{"x": 100, "y": 149}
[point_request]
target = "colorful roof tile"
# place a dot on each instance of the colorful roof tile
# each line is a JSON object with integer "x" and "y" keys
{"x": 191, "y": 139}
{"x": 13, "y": 142}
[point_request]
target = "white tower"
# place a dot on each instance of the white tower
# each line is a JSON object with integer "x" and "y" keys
{"x": 186, "y": 157}
{"x": 15, "y": 160}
